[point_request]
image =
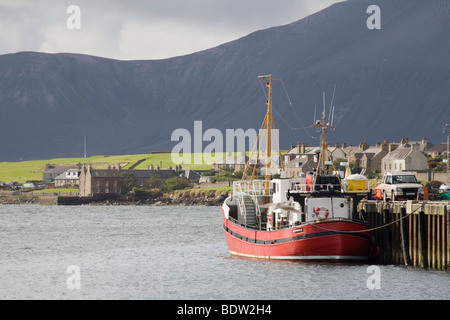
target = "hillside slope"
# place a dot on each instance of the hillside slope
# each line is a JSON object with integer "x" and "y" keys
{"x": 390, "y": 83}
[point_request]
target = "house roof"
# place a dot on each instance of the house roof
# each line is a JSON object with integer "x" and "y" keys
{"x": 442, "y": 147}
{"x": 400, "y": 153}
{"x": 57, "y": 169}
{"x": 63, "y": 176}
{"x": 136, "y": 173}
{"x": 233, "y": 160}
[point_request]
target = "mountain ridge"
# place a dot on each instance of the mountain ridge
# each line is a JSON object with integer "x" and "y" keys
{"x": 390, "y": 85}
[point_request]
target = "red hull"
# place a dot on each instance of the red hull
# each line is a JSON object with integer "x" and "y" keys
{"x": 332, "y": 240}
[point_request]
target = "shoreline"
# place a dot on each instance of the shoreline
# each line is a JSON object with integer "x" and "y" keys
{"x": 166, "y": 200}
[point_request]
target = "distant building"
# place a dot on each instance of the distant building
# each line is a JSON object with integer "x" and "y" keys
{"x": 52, "y": 171}
{"x": 114, "y": 181}
{"x": 439, "y": 150}
{"x": 234, "y": 162}
{"x": 299, "y": 166}
{"x": 405, "y": 158}
{"x": 302, "y": 158}
{"x": 69, "y": 178}
{"x": 369, "y": 157}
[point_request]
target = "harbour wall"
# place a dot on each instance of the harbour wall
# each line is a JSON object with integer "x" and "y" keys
{"x": 411, "y": 233}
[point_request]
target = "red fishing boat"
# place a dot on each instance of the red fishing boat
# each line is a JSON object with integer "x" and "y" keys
{"x": 307, "y": 218}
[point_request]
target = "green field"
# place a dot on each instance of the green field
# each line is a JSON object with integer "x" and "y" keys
{"x": 32, "y": 170}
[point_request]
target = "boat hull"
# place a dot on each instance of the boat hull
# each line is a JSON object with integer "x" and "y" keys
{"x": 334, "y": 240}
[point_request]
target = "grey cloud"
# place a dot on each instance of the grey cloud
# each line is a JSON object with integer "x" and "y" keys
{"x": 33, "y": 25}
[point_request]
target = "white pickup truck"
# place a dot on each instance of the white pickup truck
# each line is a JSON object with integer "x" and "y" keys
{"x": 401, "y": 185}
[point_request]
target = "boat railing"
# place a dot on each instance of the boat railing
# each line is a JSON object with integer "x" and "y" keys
{"x": 257, "y": 208}
{"x": 253, "y": 188}
{"x": 308, "y": 188}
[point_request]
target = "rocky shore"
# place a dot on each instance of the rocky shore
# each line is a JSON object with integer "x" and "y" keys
{"x": 181, "y": 198}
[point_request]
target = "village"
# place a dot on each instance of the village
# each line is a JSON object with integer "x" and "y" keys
{"x": 423, "y": 158}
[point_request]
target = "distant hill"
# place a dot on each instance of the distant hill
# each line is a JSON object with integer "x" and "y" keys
{"x": 390, "y": 84}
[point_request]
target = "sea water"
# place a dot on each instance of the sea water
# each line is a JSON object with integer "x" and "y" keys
{"x": 172, "y": 253}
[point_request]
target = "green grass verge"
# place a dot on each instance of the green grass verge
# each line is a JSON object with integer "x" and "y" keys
{"x": 32, "y": 170}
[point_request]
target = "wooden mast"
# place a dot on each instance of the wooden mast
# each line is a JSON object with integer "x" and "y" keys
{"x": 269, "y": 130}
{"x": 267, "y": 126}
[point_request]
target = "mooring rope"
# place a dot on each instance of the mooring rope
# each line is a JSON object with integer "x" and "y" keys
{"x": 372, "y": 229}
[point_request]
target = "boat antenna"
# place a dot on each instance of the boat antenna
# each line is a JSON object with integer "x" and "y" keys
{"x": 323, "y": 127}
{"x": 332, "y": 102}
{"x": 447, "y": 131}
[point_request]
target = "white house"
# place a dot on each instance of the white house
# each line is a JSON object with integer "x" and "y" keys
{"x": 405, "y": 158}
{"x": 69, "y": 178}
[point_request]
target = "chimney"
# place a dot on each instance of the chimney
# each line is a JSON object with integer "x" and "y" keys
{"x": 364, "y": 146}
{"x": 303, "y": 148}
{"x": 392, "y": 147}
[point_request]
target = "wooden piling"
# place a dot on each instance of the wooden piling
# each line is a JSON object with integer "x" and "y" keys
{"x": 447, "y": 214}
{"x": 429, "y": 259}
{"x": 419, "y": 237}
{"x": 387, "y": 237}
{"x": 403, "y": 236}
{"x": 422, "y": 241}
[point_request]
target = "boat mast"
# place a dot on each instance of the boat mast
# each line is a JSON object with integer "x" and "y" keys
{"x": 267, "y": 126}
{"x": 321, "y": 124}
{"x": 269, "y": 121}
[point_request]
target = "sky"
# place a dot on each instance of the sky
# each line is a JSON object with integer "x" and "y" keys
{"x": 140, "y": 29}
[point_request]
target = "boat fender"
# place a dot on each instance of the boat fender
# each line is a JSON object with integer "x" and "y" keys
{"x": 320, "y": 210}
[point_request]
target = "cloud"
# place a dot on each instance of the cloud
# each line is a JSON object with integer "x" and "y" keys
{"x": 139, "y": 29}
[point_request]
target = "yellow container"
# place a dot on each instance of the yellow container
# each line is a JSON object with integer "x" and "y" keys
{"x": 358, "y": 186}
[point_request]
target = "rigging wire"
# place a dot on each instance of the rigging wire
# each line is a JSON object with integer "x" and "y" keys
{"x": 303, "y": 127}
{"x": 372, "y": 229}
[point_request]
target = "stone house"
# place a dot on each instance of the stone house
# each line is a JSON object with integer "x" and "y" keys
{"x": 405, "y": 158}
{"x": 234, "y": 162}
{"x": 302, "y": 158}
{"x": 369, "y": 157}
{"x": 51, "y": 172}
{"x": 114, "y": 181}
{"x": 439, "y": 150}
{"x": 299, "y": 166}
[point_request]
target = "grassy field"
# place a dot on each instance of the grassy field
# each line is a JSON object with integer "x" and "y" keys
{"x": 32, "y": 170}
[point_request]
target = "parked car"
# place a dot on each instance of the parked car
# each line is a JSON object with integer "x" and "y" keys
{"x": 401, "y": 186}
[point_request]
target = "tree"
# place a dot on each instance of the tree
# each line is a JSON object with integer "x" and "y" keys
{"x": 175, "y": 184}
